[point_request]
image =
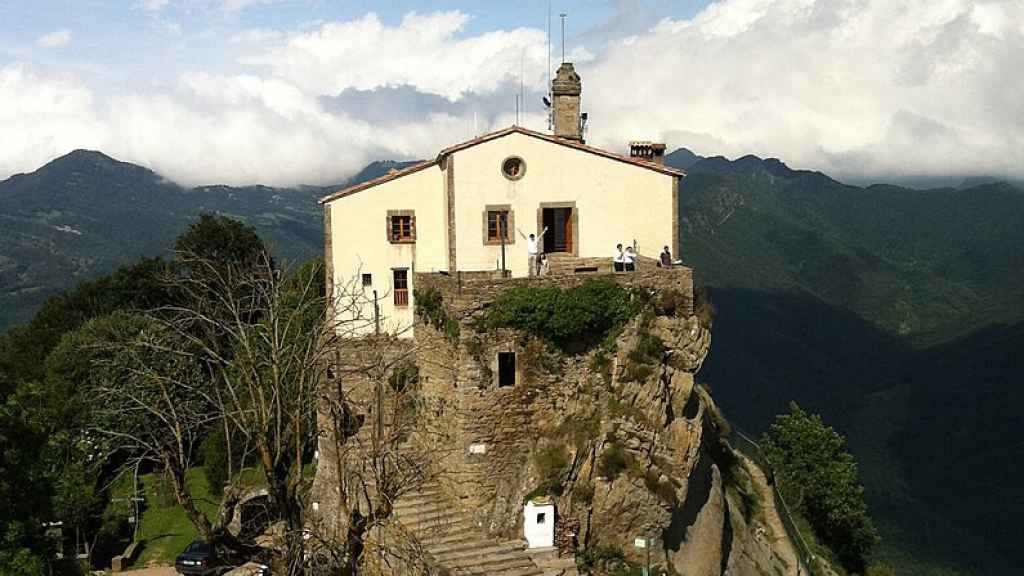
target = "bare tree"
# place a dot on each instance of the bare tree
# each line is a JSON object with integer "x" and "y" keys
{"x": 258, "y": 354}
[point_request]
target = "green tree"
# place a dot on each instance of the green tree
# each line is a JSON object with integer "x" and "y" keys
{"x": 222, "y": 242}
{"x": 819, "y": 477}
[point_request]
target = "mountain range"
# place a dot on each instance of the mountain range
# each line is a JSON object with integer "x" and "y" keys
{"x": 893, "y": 312}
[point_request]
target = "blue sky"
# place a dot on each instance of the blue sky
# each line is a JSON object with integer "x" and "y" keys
{"x": 307, "y": 91}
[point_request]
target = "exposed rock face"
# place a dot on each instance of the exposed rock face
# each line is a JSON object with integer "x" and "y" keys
{"x": 619, "y": 435}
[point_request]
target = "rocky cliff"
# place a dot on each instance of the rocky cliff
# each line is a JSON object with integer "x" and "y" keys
{"x": 615, "y": 432}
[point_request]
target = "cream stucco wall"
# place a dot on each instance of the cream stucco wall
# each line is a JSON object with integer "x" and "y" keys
{"x": 359, "y": 242}
{"x": 616, "y": 201}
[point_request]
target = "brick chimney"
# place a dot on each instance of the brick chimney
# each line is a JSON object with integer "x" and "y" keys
{"x": 648, "y": 151}
{"x": 565, "y": 91}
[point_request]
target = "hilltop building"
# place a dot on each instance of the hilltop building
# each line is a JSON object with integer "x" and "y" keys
{"x": 472, "y": 208}
{"x": 517, "y": 452}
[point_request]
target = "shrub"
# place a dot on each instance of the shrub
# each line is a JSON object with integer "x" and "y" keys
{"x": 431, "y": 309}
{"x": 584, "y": 493}
{"x": 403, "y": 376}
{"x": 601, "y": 363}
{"x": 613, "y": 461}
{"x": 646, "y": 353}
{"x": 568, "y": 318}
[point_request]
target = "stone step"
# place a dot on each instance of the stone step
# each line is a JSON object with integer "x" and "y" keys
{"x": 451, "y": 538}
{"x": 418, "y": 509}
{"x": 477, "y": 549}
{"x": 452, "y": 541}
{"x": 420, "y": 500}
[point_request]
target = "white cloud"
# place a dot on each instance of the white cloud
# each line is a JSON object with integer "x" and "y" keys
{"x": 850, "y": 87}
{"x": 154, "y": 5}
{"x": 55, "y": 39}
{"x": 48, "y": 115}
{"x": 237, "y": 5}
{"x": 423, "y": 51}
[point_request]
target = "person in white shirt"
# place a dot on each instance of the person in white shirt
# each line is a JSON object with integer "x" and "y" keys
{"x": 629, "y": 259}
{"x": 533, "y": 251}
{"x": 618, "y": 259}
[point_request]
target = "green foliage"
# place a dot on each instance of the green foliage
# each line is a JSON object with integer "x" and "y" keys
{"x": 20, "y": 555}
{"x": 613, "y": 461}
{"x": 646, "y": 354}
{"x": 431, "y": 309}
{"x": 601, "y": 363}
{"x": 819, "y": 477}
{"x": 551, "y": 462}
{"x": 568, "y": 318}
{"x": 221, "y": 240}
{"x": 214, "y": 453}
{"x": 23, "y": 349}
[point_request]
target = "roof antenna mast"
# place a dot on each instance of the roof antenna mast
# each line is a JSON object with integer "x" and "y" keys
{"x": 562, "y": 16}
{"x": 547, "y": 103}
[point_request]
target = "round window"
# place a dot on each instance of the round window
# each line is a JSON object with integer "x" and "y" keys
{"x": 513, "y": 167}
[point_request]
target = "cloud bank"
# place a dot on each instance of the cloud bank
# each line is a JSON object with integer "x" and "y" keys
{"x": 852, "y": 87}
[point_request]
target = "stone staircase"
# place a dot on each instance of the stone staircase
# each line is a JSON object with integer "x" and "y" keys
{"x": 455, "y": 544}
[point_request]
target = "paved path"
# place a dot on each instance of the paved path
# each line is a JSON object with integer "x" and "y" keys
{"x": 160, "y": 571}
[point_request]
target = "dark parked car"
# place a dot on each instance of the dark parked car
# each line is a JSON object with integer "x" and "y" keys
{"x": 198, "y": 559}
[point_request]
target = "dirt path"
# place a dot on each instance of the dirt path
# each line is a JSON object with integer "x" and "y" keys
{"x": 781, "y": 543}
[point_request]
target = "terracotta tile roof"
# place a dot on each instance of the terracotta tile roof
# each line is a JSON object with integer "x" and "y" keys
{"x": 379, "y": 180}
{"x": 493, "y": 136}
{"x": 561, "y": 142}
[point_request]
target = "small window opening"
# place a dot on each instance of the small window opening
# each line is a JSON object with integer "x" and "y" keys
{"x": 401, "y": 287}
{"x": 506, "y": 369}
{"x": 513, "y": 168}
{"x": 541, "y": 517}
{"x": 497, "y": 225}
{"x": 401, "y": 229}
{"x": 367, "y": 279}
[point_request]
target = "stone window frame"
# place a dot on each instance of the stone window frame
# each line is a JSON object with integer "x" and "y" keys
{"x": 510, "y": 224}
{"x": 495, "y": 367}
{"x": 575, "y": 222}
{"x": 522, "y": 171}
{"x": 411, "y": 239}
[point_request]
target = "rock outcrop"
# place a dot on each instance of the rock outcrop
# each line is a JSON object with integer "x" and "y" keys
{"x": 617, "y": 432}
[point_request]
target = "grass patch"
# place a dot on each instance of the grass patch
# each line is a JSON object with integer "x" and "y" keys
{"x": 165, "y": 528}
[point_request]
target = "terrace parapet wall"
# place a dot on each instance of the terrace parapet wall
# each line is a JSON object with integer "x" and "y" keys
{"x": 468, "y": 291}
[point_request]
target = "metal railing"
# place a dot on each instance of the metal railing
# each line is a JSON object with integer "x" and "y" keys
{"x": 809, "y": 562}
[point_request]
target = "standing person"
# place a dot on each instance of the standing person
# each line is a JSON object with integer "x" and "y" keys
{"x": 533, "y": 251}
{"x": 666, "y": 258}
{"x": 543, "y": 264}
{"x": 618, "y": 259}
{"x": 629, "y": 259}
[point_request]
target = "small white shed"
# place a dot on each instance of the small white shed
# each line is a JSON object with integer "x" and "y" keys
{"x": 539, "y": 523}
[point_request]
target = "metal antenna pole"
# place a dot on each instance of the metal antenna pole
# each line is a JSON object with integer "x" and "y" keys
{"x": 550, "y": 95}
{"x": 562, "y": 16}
